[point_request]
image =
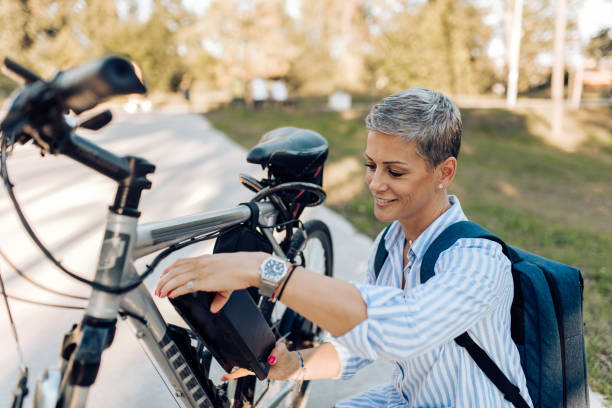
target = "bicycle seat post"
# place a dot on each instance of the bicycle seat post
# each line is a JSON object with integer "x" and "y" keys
{"x": 83, "y": 346}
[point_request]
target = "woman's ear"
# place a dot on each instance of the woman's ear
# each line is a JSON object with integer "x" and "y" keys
{"x": 446, "y": 171}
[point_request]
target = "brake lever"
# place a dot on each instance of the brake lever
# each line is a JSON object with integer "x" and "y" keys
{"x": 98, "y": 121}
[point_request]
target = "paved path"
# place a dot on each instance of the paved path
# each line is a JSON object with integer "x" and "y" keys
{"x": 196, "y": 171}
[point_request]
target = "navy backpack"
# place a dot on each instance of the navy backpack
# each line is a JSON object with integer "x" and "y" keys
{"x": 546, "y": 322}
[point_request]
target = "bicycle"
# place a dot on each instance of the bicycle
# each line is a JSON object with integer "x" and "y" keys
{"x": 37, "y": 115}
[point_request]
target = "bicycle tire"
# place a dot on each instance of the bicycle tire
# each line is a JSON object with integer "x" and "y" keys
{"x": 317, "y": 256}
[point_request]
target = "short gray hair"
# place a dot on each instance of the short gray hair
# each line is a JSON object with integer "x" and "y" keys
{"x": 422, "y": 114}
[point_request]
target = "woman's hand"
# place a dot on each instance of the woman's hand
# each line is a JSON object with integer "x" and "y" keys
{"x": 284, "y": 365}
{"x": 221, "y": 273}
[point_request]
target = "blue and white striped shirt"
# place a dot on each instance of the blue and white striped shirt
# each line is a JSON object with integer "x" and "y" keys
{"x": 471, "y": 290}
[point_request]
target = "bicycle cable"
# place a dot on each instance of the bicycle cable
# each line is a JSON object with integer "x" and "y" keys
{"x": 35, "y": 283}
{"x": 36, "y": 302}
{"x": 98, "y": 286}
{"x": 22, "y": 365}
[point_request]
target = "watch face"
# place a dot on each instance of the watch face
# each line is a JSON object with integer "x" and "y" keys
{"x": 274, "y": 269}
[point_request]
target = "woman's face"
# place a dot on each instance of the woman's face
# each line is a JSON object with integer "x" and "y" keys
{"x": 404, "y": 188}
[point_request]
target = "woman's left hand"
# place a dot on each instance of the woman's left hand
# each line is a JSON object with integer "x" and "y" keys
{"x": 221, "y": 273}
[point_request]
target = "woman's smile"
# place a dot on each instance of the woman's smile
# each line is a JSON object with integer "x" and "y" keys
{"x": 382, "y": 202}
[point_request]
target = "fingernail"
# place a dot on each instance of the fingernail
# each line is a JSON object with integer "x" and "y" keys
{"x": 169, "y": 293}
{"x": 223, "y": 378}
{"x": 271, "y": 360}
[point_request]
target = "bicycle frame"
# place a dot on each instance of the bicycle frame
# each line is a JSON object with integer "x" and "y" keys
{"x": 142, "y": 313}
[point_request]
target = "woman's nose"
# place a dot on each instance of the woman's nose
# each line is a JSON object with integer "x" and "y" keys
{"x": 377, "y": 182}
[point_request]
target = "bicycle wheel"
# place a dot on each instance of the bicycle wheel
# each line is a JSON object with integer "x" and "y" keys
{"x": 316, "y": 256}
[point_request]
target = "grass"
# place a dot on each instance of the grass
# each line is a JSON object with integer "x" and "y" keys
{"x": 536, "y": 196}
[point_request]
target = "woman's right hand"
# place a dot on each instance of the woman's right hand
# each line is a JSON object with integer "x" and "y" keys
{"x": 284, "y": 365}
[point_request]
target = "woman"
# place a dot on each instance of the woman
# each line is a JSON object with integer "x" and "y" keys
{"x": 411, "y": 158}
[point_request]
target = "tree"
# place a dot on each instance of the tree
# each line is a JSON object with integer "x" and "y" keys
{"x": 40, "y": 34}
{"x": 335, "y": 34}
{"x": 600, "y": 46}
{"x": 439, "y": 44}
{"x": 152, "y": 44}
{"x": 537, "y": 39}
{"x": 243, "y": 40}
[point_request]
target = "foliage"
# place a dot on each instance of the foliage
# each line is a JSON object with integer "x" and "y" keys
{"x": 600, "y": 46}
{"x": 438, "y": 44}
{"x": 355, "y": 45}
{"x": 150, "y": 44}
{"x": 243, "y": 40}
{"x": 334, "y": 34}
{"x": 40, "y": 34}
{"x": 46, "y": 35}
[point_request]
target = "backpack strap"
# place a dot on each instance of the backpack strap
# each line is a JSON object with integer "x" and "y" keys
{"x": 511, "y": 392}
{"x": 446, "y": 239}
{"x": 468, "y": 229}
{"x": 381, "y": 254}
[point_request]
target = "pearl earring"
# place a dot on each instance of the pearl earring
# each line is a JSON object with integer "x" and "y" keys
{"x": 440, "y": 186}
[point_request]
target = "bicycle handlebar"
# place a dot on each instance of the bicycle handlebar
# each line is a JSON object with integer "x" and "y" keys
{"x": 40, "y": 103}
{"x": 84, "y": 87}
{"x": 37, "y": 111}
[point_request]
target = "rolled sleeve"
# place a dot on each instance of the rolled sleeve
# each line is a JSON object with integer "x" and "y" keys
{"x": 349, "y": 363}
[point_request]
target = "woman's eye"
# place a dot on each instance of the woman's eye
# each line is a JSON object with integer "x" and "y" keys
{"x": 370, "y": 166}
{"x": 395, "y": 174}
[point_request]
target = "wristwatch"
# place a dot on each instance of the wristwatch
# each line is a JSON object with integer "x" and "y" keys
{"x": 271, "y": 272}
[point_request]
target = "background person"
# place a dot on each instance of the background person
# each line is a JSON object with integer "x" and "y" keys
{"x": 259, "y": 91}
{"x": 279, "y": 91}
{"x": 411, "y": 158}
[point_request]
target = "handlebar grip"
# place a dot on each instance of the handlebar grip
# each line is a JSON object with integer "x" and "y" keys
{"x": 84, "y": 87}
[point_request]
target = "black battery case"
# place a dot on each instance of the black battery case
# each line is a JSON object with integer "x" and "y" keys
{"x": 237, "y": 336}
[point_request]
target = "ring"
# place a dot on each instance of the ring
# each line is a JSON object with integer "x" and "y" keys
{"x": 190, "y": 286}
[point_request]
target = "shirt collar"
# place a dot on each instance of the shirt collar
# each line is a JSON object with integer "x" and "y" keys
{"x": 395, "y": 235}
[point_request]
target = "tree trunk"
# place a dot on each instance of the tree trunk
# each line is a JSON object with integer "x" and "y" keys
{"x": 514, "y": 53}
{"x": 558, "y": 72}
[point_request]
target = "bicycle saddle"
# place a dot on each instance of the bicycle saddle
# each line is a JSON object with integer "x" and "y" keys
{"x": 290, "y": 152}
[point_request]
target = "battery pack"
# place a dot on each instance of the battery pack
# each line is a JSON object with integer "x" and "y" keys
{"x": 237, "y": 335}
